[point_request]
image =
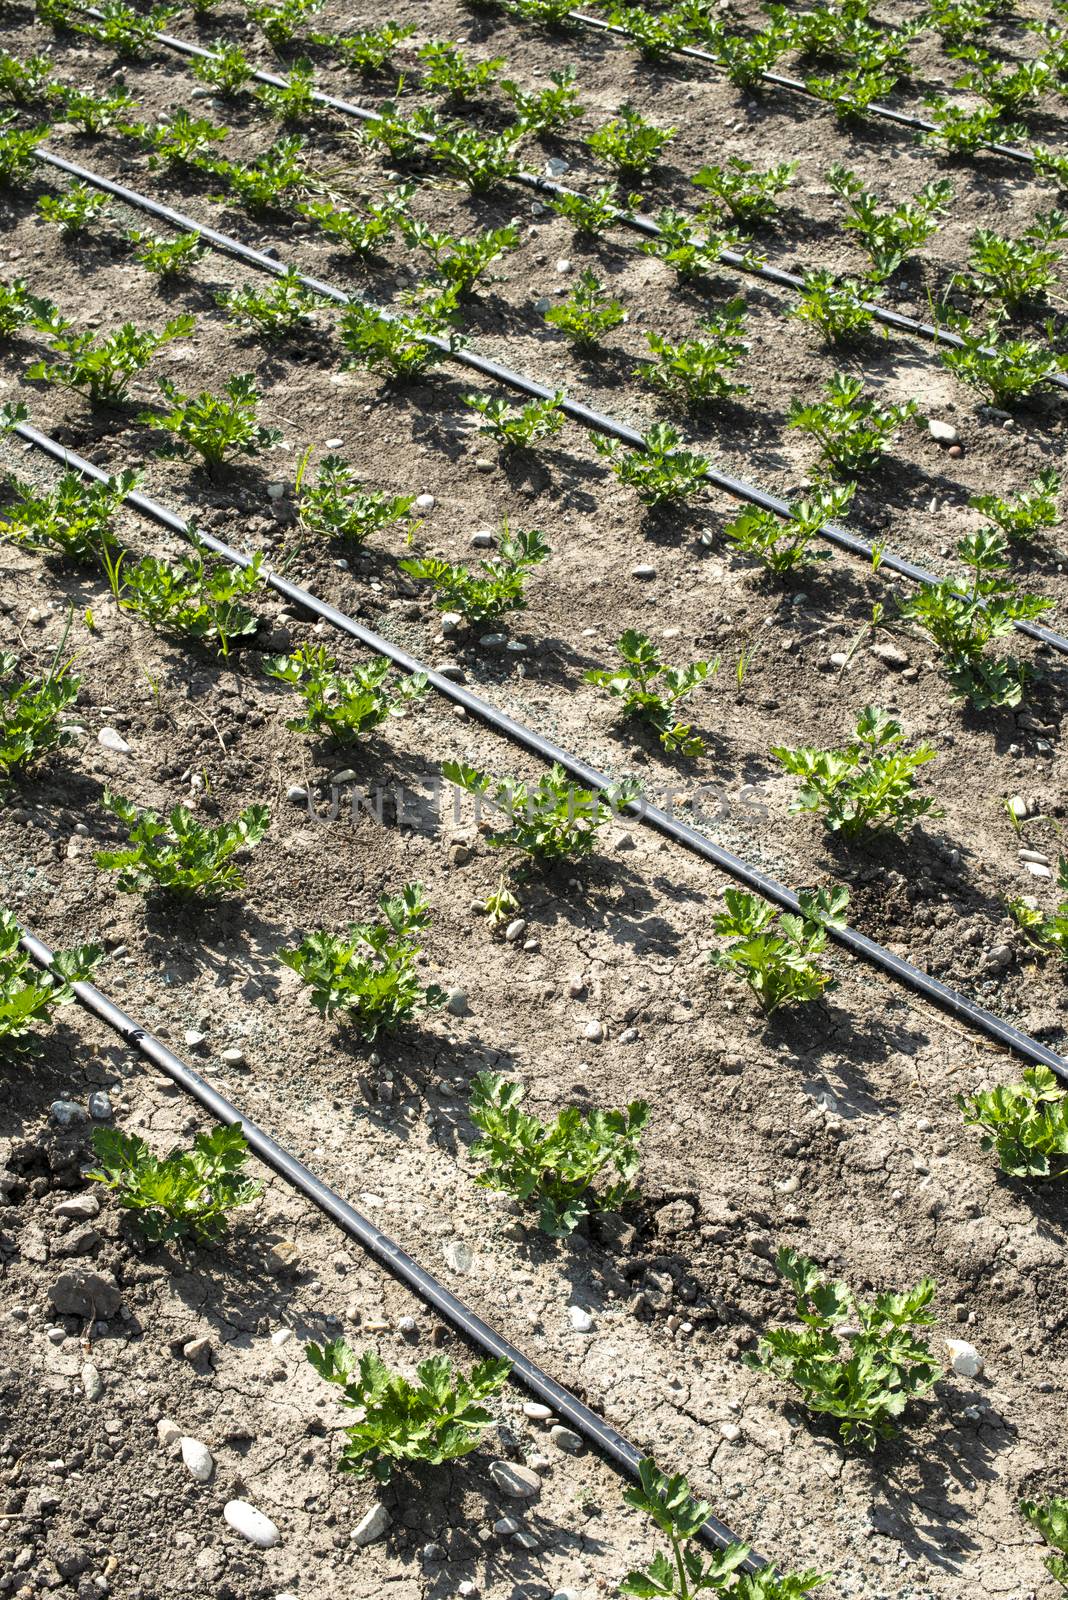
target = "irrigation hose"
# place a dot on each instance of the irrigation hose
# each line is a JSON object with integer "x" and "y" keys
{"x": 663, "y": 822}
{"x": 779, "y": 80}
{"x": 599, "y": 1433}
{"x": 635, "y": 221}
{"x": 585, "y": 416}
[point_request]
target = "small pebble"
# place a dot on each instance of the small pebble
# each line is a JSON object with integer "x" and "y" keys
{"x": 515, "y": 930}
{"x": 99, "y": 1106}
{"x": 66, "y": 1113}
{"x": 251, "y": 1524}
{"x": 373, "y": 1525}
{"x": 579, "y": 1319}
{"x": 643, "y": 571}
{"x": 92, "y": 1382}
{"x": 424, "y": 502}
{"x": 197, "y": 1459}
{"x": 565, "y": 1439}
{"x": 111, "y": 740}
{"x": 942, "y": 432}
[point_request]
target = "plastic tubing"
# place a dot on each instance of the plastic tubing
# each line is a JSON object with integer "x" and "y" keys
{"x": 593, "y": 1428}
{"x": 585, "y": 416}
{"x": 636, "y": 222}
{"x": 663, "y": 822}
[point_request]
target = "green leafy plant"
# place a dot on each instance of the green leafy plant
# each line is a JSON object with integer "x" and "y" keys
{"x": 32, "y": 725}
{"x": 700, "y": 371}
{"x": 97, "y": 113}
{"x": 962, "y": 130}
{"x": 104, "y": 367}
{"x": 779, "y": 967}
{"x": 957, "y": 20}
{"x": 273, "y": 312}
{"x": 890, "y": 234}
{"x": 783, "y": 544}
{"x": 1008, "y": 90}
{"x": 181, "y": 140}
{"x": 281, "y": 20}
{"x": 21, "y": 309}
{"x": 438, "y": 1418}
{"x": 549, "y": 820}
{"x": 744, "y": 191}
{"x": 544, "y": 111}
{"x": 963, "y": 615}
{"x": 657, "y": 34}
{"x": 594, "y": 213}
{"x": 661, "y": 471}
{"x": 556, "y": 1165}
{"x": 73, "y": 211}
{"x": 214, "y": 426}
{"x": 496, "y": 587}
{"x": 1051, "y": 1520}
{"x": 125, "y": 29}
{"x": 74, "y": 518}
{"x": 836, "y": 306}
{"x": 188, "y": 1193}
{"x": 337, "y": 506}
{"x": 1049, "y": 934}
{"x": 400, "y": 346}
{"x": 500, "y": 905}
{"x": 866, "y": 787}
{"x": 18, "y": 153}
{"x": 460, "y": 263}
{"x": 368, "y": 50}
{"x": 629, "y": 144}
{"x": 852, "y": 430}
{"x": 191, "y": 596}
{"x": 517, "y": 427}
{"x": 28, "y": 996}
{"x": 447, "y": 70}
{"x": 292, "y": 101}
{"x": 176, "y": 854}
{"x": 651, "y": 691}
{"x": 166, "y": 259}
{"x": 851, "y": 93}
{"x": 1025, "y": 1124}
{"x": 746, "y": 57}
{"x": 268, "y": 183}
{"x": 26, "y": 81}
{"x": 692, "y": 254}
{"x": 362, "y": 233}
{"x": 855, "y": 1360}
{"x": 587, "y": 313}
{"x": 1003, "y": 369}
{"x": 1012, "y": 271}
{"x": 1024, "y": 515}
{"x": 228, "y": 69}
{"x": 546, "y": 13}
{"x": 686, "y": 1571}
{"x": 369, "y": 975}
{"x": 479, "y": 160}
{"x": 348, "y": 705}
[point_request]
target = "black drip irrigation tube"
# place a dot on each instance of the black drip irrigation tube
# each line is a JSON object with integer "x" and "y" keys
{"x": 904, "y": 119}
{"x": 663, "y": 822}
{"x": 585, "y": 416}
{"x": 593, "y": 1428}
{"x": 635, "y": 221}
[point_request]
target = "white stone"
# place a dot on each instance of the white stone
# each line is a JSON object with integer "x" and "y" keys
{"x": 594, "y": 1032}
{"x": 458, "y": 1256}
{"x": 942, "y": 432}
{"x": 111, "y": 740}
{"x": 233, "y": 1057}
{"x": 295, "y": 793}
{"x": 579, "y": 1319}
{"x": 519, "y": 1482}
{"x": 643, "y": 570}
{"x": 373, "y": 1526}
{"x": 1037, "y": 870}
{"x": 198, "y": 1459}
{"x": 536, "y": 1411}
{"x": 964, "y": 1358}
{"x": 92, "y": 1382}
{"x": 251, "y": 1524}
{"x": 167, "y": 1432}
{"x": 66, "y": 1112}
{"x": 730, "y": 1431}
{"x": 424, "y": 502}
{"x": 281, "y": 1336}
{"x": 81, "y": 1207}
